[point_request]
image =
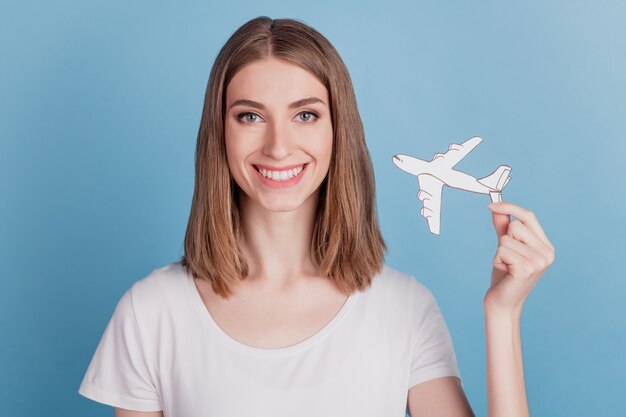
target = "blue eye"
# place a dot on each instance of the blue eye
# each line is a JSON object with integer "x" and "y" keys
{"x": 246, "y": 114}
{"x": 250, "y": 118}
{"x": 309, "y": 113}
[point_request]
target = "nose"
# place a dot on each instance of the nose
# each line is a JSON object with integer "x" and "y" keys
{"x": 279, "y": 141}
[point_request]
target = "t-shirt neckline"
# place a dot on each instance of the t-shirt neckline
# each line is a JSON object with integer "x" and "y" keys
{"x": 204, "y": 313}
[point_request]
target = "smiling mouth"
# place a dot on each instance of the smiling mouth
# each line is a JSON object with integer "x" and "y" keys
{"x": 281, "y": 175}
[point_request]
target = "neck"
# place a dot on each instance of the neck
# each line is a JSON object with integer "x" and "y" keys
{"x": 277, "y": 245}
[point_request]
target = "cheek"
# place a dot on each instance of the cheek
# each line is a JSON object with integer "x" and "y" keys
{"x": 235, "y": 147}
{"x": 241, "y": 140}
{"x": 324, "y": 146}
{"x": 318, "y": 141}
{"x": 234, "y": 160}
{"x": 233, "y": 157}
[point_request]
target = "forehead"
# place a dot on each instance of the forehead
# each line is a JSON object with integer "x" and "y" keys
{"x": 274, "y": 81}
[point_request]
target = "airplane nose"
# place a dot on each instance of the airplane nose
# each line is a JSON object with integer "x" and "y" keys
{"x": 397, "y": 158}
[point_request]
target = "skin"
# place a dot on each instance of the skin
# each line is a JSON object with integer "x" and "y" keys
{"x": 523, "y": 255}
{"x": 278, "y": 223}
{"x": 278, "y": 228}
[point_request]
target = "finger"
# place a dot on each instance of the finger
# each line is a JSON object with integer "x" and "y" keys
{"x": 500, "y": 223}
{"x": 520, "y": 232}
{"x": 516, "y": 264}
{"x": 526, "y": 216}
{"x": 519, "y": 247}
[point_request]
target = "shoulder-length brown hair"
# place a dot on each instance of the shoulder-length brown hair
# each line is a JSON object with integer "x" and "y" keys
{"x": 347, "y": 245}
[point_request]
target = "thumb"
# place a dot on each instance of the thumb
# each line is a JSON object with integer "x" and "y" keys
{"x": 500, "y": 223}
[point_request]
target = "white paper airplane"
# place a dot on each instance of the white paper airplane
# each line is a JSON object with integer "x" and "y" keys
{"x": 432, "y": 175}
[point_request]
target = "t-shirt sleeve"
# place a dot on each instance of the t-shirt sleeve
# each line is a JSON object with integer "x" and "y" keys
{"x": 432, "y": 351}
{"x": 118, "y": 374}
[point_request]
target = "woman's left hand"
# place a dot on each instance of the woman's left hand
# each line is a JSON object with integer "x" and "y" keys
{"x": 523, "y": 255}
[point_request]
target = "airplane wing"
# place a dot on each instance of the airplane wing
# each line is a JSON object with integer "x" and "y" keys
{"x": 430, "y": 195}
{"x": 456, "y": 152}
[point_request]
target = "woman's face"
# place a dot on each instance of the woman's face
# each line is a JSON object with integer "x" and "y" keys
{"x": 278, "y": 133}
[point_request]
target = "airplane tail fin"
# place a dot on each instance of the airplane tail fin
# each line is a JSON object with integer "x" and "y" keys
{"x": 498, "y": 179}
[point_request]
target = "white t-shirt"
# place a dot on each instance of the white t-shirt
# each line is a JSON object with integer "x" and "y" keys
{"x": 162, "y": 350}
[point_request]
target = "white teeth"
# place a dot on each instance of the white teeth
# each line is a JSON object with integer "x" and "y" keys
{"x": 281, "y": 175}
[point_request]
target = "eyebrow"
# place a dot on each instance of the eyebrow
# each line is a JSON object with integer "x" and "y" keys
{"x": 295, "y": 104}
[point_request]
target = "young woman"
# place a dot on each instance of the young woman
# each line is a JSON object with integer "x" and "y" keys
{"x": 282, "y": 304}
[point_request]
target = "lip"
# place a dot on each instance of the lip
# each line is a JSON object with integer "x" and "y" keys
{"x": 281, "y": 184}
{"x": 273, "y": 168}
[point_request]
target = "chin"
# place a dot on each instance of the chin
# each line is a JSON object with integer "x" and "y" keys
{"x": 282, "y": 203}
{"x": 281, "y": 206}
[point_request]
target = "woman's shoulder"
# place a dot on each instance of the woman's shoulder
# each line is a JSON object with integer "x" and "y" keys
{"x": 394, "y": 279}
{"x": 162, "y": 287}
{"x": 396, "y": 284}
{"x": 164, "y": 277}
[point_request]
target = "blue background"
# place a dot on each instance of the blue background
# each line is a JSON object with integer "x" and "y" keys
{"x": 99, "y": 109}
